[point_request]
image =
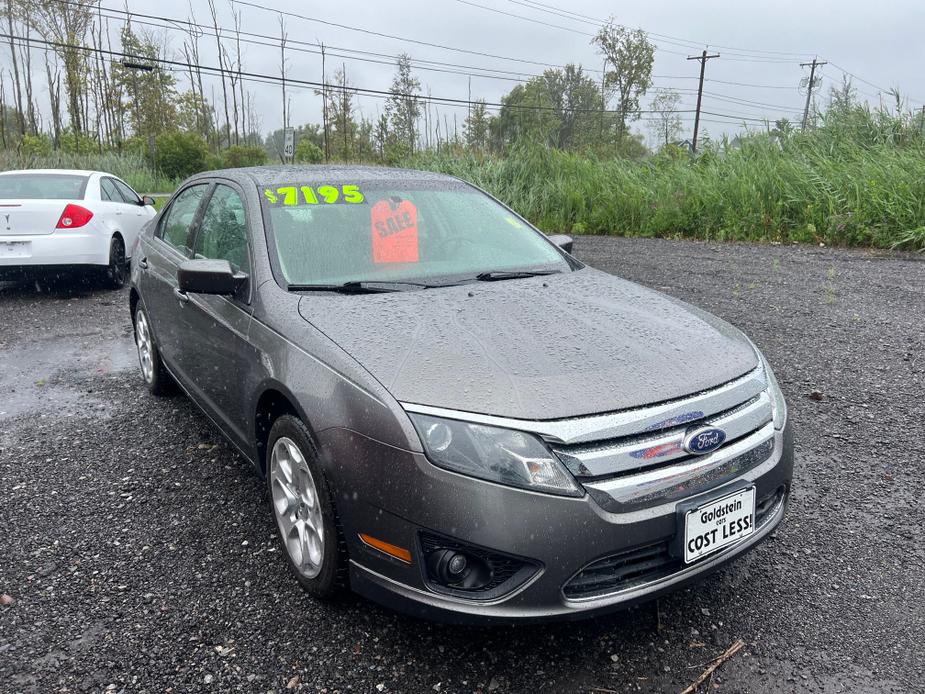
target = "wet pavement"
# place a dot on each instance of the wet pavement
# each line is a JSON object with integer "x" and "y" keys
{"x": 139, "y": 550}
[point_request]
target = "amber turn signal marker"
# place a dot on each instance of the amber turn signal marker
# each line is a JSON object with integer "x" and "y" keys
{"x": 399, "y": 553}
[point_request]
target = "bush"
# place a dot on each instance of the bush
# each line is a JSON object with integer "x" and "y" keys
{"x": 307, "y": 152}
{"x": 179, "y": 155}
{"x": 72, "y": 143}
{"x": 243, "y": 155}
{"x": 35, "y": 146}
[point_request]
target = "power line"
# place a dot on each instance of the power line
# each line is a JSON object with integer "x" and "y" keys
{"x": 687, "y": 43}
{"x": 547, "y": 24}
{"x": 275, "y": 79}
{"x": 393, "y": 37}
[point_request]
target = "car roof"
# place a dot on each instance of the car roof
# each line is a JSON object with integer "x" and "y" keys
{"x": 324, "y": 173}
{"x": 70, "y": 172}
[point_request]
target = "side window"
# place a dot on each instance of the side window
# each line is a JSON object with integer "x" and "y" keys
{"x": 223, "y": 232}
{"x": 129, "y": 195}
{"x": 174, "y": 227}
{"x": 108, "y": 190}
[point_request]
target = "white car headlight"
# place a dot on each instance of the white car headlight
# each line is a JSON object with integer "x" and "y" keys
{"x": 505, "y": 456}
{"x": 778, "y": 404}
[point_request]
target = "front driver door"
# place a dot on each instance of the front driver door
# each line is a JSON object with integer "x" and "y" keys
{"x": 217, "y": 357}
{"x": 160, "y": 258}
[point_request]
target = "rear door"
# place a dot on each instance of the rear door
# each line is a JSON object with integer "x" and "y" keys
{"x": 110, "y": 208}
{"x": 217, "y": 356}
{"x": 170, "y": 246}
{"x": 134, "y": 216}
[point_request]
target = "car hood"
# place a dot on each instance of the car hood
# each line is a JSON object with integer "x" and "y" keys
{"x": 550, "y": 347}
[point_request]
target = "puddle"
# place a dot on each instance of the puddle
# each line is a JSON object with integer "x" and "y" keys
{"x": 52, "y": 376}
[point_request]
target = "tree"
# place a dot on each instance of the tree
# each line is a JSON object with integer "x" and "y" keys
{"x": 307, "y": 152}
{"x": 528, "y": 115}
{"x": 342, "y": 132}
{"x": 194, "y": 113}
{"x": 179, "y": 155}
{"x": 403, "y": 107}
{"x": 475, "y": 127}
{"x": 576, "y": 100}
{"x": 65, "y": 25}
{"x": 151, "y": 90}
{"x": 559, "y": 108}
{"x": 630, "y": 55}
{"x": 667, "y": 124}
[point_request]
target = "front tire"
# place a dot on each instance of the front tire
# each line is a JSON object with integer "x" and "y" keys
{"x": 153, "y": 371}
{"x": 114, "y": 274}
{"x": 300, "y": 500}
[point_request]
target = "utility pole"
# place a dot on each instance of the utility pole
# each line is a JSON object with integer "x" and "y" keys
{"x": 703, "y": 58}
{"x": 809, "y": 88}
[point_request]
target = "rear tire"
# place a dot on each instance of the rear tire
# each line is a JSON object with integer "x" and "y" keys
{"x": 153, "y": 371}
{"x": 300, "y": 500}
{"x": 114, "y": 274}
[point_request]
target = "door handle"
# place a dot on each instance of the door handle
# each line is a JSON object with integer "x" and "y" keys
{"x": 183, "y": 297}
{"x": 143, "y": 263}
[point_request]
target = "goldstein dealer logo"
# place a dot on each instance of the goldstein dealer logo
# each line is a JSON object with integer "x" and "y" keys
{"x": 704, "y": 440}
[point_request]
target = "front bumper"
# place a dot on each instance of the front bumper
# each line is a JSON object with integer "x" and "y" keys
{"x": 562, "y": 535}
{"x": 62, "y": 247}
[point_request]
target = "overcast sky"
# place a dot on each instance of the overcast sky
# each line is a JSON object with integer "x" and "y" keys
{"x": 761, "y": 43}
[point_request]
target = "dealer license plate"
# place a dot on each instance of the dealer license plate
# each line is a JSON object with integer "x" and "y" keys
{"x": 719, "y": 524}
{"x": 15, "y": 249}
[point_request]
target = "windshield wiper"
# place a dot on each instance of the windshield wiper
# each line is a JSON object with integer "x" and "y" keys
{"x": 361, "y": 287}
{"x": 513, "y": 274}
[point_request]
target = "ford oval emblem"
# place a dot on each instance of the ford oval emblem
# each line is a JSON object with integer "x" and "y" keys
{"x": 703, "y": 440}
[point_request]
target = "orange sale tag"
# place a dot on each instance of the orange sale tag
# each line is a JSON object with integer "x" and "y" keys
{"x": 394, "y": 232}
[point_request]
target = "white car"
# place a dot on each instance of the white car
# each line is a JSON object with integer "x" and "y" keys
{"x": 54, "y": 218}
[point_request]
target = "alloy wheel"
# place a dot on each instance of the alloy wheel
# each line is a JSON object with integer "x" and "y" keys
{"x": 297, "y": 507}
{"x": 145, "y": 346}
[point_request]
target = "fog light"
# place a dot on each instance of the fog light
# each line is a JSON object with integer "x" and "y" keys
{"x": 468, "y": 571}
{"x": 457, "y": 564}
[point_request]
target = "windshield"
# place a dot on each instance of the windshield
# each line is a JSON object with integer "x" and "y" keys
{"x": 331, "y": 234}
{"x": 42, "y": 186}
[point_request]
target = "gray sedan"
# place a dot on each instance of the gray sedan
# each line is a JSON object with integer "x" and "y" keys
{"x": 453, "y": 415}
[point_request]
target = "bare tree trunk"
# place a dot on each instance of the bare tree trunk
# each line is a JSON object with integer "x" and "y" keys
{"x": 54, "y": 97}
{"x": 26, "y": 59}
{"x": 2, "y": 111}
{"x": 324, "y": 105}
{"x": 234, "y": 96}
{"x": 17, "y": 88}
{"x": 221, "y": 70}
{"x": 343, "y": 110}
{"x": 237, "y": 33}
{"x": 282, "y": 69}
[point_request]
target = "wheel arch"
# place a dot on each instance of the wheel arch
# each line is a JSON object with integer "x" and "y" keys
{"x": 275, "y": 400}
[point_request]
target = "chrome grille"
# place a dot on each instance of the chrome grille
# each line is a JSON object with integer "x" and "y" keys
{"x": 634, "y": 453}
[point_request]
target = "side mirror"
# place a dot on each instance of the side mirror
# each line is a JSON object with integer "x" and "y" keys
{"x": 563, "y": 241}
{"x": 147, "y": 200}
{"x": 206, "y": 276}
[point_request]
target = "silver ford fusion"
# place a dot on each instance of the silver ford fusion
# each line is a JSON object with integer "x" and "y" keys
{"x": 453, "y": 415}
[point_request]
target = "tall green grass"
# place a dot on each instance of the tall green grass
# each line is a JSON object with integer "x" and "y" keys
{"x": 132, "y": 168}
{"x": 858, "y": 179}
{"x": 806, "y": 190}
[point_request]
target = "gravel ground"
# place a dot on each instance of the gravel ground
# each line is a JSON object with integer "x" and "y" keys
{"x": 140, "y": 555}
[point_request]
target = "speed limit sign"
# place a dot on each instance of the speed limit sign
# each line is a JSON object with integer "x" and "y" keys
{"x": 289, "y": 142}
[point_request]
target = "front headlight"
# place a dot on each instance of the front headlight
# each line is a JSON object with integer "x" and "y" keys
{"x": 505, "y": 456}
{"x": 778, "y": 404}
